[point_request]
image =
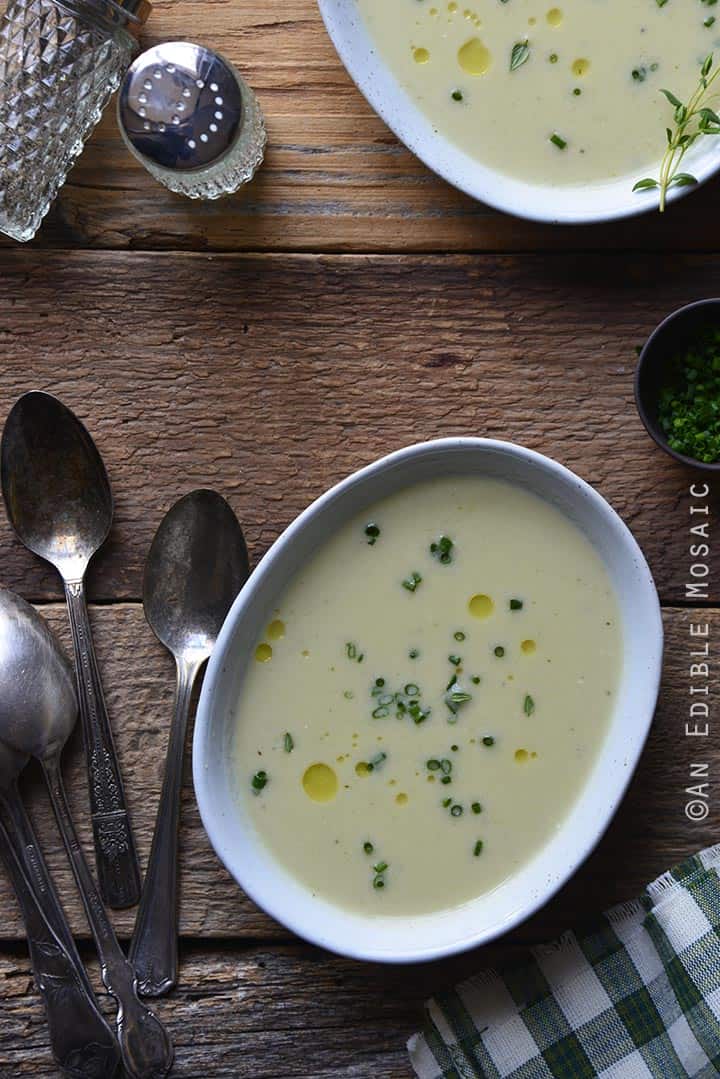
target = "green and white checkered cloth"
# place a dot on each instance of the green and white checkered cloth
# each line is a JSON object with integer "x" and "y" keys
{"x": 634, "y": 995}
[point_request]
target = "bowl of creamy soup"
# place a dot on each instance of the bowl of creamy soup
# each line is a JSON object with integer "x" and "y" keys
{"x": 427, "y": 702}
{"x": 551, "y": 111}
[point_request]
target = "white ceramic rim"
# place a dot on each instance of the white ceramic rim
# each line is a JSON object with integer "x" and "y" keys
{"x": 421, "y": 938}
{"x": 570, "y": 205}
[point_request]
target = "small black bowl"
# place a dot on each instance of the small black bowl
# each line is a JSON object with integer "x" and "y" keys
{"x": 671, "y": 337}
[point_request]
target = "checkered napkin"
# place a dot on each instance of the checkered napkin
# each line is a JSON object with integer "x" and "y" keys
{"x": 634, "y": 995}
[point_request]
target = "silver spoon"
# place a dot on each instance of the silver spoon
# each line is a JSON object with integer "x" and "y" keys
{"x": 59, "y": 502}
{"x": 197, "y": 564}
{"x": 38, "y": 710}
{"x": 82, "y": 1043}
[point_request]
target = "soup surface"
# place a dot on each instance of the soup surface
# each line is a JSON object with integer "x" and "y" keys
{"x": 557, "y": 94}
{"x": 429, "y": 697}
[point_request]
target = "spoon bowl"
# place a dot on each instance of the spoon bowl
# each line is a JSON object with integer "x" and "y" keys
{"x": 54, "y": 482}
{"x": 196, "y": 566}
{"x": 38, "y": 706}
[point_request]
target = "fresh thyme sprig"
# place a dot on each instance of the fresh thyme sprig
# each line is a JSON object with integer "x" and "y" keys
{"x": 691, "y": 121}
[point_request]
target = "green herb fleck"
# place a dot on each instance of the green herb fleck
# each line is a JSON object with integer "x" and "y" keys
{"x": 368, "y": 847}
{"x": 519, "y": 55}
{"x": 442, "y": 550}
{"x": 288, "y": 742}
{"x": 372, "y": 533}
{"x": 259, "y": 782}
{"x": 477, "y": 849}
{"x": 412, "y": 581}
{"x": 528, "y": 705}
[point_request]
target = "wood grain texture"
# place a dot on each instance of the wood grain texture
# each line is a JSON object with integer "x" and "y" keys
{"x": 290, "y": 1012}
{"x": 272, "y": 377}
{"x": 650, "y": 833}
{"x": 335, "y": 178}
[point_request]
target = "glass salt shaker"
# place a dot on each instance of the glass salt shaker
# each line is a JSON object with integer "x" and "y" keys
{"x": 60, "y": 61}
{"x": 191, "y": 119}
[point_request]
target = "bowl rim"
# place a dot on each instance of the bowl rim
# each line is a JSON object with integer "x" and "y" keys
{"x": 581, "y": 204}
{"x": 645, "y": 360}
{"x": 269, "y": 898}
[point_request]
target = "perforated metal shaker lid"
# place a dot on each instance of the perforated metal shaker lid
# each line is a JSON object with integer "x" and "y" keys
{"x": 180, "y": 106}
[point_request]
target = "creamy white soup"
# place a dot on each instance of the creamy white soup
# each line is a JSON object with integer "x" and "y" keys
{"x": 557, "y": 94}
{"x": 429, "y": 697}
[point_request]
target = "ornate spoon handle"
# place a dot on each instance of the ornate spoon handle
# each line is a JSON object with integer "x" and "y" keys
{"x": 153, "y": 950}
{"x": 146, "y": 1049}
{"x": 115, "y": 854}
{"x": 82, "y": 1043}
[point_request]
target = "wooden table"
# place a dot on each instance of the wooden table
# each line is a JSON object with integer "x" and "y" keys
{"x": 348, "y": 304}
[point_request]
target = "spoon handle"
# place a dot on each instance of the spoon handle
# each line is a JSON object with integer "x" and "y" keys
{"x": 115, "y": 854}
{"x": 147, "y": 1051}
{"x": 82, "y": 1043}
{"x": 153, "y": 950}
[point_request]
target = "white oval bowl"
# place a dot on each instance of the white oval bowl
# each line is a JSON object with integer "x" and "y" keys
{"x": 415, "y": 938}
{"x": 561, "y": 205}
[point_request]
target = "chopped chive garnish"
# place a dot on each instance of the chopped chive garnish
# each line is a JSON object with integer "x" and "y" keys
{"x": 368, "y": 847}
{"x": 288, "y": 742}
{"x": 457, "y": 95}
{"x": 348, "y": 694}
{"x": 412, "y": 690}
{"x": 413, "y": 653}
{"x": 442, "y": 550}
{"x": 379, "y": 882}
{"x": 455, "y": 660}
{"x": 476, "y": 807}
{"x": 475, "y": 680}
{"x": 445, "y": 766}
{"x": 446, "y": 802}
{"x": 477, "y": 850}
{"x": 456, "y": 811}
{"x": 446, "y": 780}
{"x": 382, "y": 712}
{"x": 377, "y": 761}
{"x": 454, "y": 748}
{"x": 372, "y": 532}
{"x": 488, "y": 740}
{"x": 351, "y": 650}
{"x": 259, "y": 781}
{"x": 412, "y": 581}
{"x": 558, "y": 140}
{"x": 516, "y": 604}
{"x": 499, "y": 651}
{"x": 379, "y": 682}
{"x": 459, "y": 635}
{"x": 380, "y": 867}
{"x": 528, "y": 705}
{"x": 433, "y": 765}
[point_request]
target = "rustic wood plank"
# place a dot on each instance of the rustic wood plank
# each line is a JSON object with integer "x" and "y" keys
{"x": 289, "y": 1012}
{"x": 650, "y": 833}
{"x": 272, "y": 377}
{"x": 335, "y": 178}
